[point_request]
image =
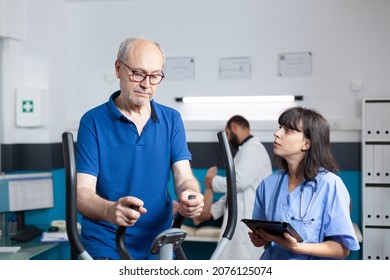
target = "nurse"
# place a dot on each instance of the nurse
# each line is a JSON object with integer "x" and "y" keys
{"x": 306, "y": 193}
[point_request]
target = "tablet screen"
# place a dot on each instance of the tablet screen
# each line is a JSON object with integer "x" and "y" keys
{"x": 273, "y": 227}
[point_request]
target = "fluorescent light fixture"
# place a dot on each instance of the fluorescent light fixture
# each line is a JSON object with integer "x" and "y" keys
{"x": 239, "y": 99}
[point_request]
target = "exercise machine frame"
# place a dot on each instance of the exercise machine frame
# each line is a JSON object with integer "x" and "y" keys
{"x": 166, "y": 244}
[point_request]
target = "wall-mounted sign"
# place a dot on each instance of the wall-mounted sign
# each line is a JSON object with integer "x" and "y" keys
{"x": 294, "y": 64}
{"x": 235, "y": 68}
{"x": 179, "y": 68}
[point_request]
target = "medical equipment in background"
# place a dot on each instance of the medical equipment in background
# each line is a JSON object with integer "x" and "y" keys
{"x": 169, "y": 241}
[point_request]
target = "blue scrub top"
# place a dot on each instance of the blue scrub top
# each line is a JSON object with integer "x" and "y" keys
{"x": 128, "y": 164}
{"x": 328, "y": 218}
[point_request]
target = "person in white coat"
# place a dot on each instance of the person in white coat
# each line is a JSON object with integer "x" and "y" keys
{"x": 252, "y": 164}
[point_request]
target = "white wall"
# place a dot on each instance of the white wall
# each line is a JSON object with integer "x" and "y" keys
{"x": 71, "y": 45}
{"x": 37, "y": 59}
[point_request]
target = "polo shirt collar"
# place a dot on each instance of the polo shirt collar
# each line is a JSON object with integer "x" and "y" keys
{"x": 116, "y": 114}
{"x": 245, "y": 140}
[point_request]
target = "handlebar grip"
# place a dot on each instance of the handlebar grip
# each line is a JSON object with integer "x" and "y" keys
{"x": 120, "y": 243}
{"x": 179, "y": 219}
{"x": 120, "y": 240}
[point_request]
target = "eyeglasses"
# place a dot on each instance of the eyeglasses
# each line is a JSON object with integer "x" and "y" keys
{"x": 139, "y": 76}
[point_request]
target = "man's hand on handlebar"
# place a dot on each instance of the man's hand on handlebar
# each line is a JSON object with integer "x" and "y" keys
{"x": 126, "y": 211}
{"x": 190, "y": 203}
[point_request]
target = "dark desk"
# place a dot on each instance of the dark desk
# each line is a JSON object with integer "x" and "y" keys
{"x": 29, "y": 249}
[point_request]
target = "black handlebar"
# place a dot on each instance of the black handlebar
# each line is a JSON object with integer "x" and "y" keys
{"x": 71, "y": 193}
{"x": 120, "y": 243}
{"x": 178, "y": 221}
{"x": 231, "y": 185}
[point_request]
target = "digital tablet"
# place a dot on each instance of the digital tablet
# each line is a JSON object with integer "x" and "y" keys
{"x": 273, "y": 227}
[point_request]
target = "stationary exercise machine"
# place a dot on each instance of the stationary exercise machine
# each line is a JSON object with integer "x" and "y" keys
{"x": 168, "y": 243}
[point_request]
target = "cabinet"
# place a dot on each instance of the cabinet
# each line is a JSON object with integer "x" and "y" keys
{"x": 376, "y": 178}
{"x": 12, "y": 19}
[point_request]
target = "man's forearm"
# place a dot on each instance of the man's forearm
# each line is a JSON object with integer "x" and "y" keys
{"x": 188, "y": 185}
{"x": 91, "y": 205}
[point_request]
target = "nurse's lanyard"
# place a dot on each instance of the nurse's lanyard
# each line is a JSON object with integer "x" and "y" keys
{"x": 313, "y": 192}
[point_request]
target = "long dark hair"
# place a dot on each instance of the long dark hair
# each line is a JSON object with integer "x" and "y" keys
{"x": 316, "y": 128}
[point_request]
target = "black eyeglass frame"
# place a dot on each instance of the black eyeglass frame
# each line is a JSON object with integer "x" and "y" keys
{"x": 141, "y": 73}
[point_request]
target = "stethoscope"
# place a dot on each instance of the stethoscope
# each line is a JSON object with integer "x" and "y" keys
{"x": 313, "y": 192}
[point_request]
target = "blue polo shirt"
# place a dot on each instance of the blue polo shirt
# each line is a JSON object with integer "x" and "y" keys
{"x": 128, "y": 164}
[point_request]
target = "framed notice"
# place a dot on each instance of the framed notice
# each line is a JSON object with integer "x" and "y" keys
{"x": 294, "y": 64}
{"x": 179, "y": 68}
{"x": 235, "y": 68}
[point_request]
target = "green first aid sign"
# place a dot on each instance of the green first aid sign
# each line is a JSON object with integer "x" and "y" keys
{"x": 28, "y": 106}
